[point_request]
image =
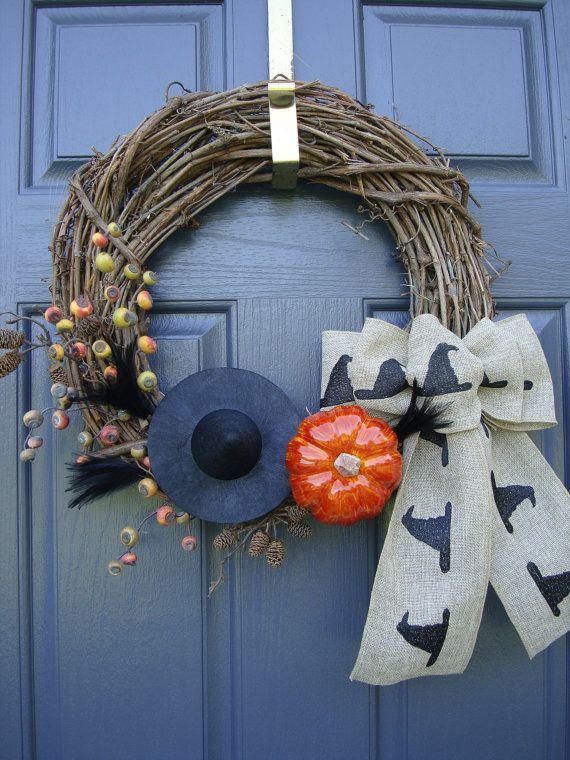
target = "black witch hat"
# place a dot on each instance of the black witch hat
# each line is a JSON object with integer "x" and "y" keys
{"x": 217, "y": 444}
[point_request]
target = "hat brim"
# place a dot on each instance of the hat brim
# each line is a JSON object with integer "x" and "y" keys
{"x": 170, "y": 436}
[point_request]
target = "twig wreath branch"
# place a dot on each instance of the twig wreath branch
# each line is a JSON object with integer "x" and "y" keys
{"x": 160, "y": 177}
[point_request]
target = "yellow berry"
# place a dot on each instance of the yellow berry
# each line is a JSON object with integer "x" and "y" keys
{"x": 138, "y": 451}
{"x": 123, "y": 317}
{"x": 148, "y": 487}
{"x": 101, "y": 349}
{"x": 144, "y": 300}
{"x": 114, "y": 230}
{"x": 56, "y": 352}
{"x": 64, "y": 325}
{"x": 129, "y": 537}
{"x": 150, "y": 278}
{"x": 85, "y": 438}
{"x": 114, "y": 567}
{"x": 104, "y": 262}
{"x": 147, "y": 381}
{"x": 131, "y": 271}
{"x": 33, "y": 418}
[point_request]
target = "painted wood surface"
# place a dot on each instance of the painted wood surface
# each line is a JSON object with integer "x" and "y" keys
{"x": 144, "y": 666}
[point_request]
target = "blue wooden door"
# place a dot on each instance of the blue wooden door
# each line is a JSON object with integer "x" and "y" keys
{"x": 145, "y": 666}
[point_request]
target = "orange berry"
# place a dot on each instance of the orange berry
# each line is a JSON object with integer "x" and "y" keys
{"x": 110, "y": 374}
{"x": 112, "y": 293}
{"x": 144, "y": 300}
{"x": 100, "y": 240}
{"x": 109, "y": 435}
{"x": 53, "y": 314}
{"x": 189, "y": 543}
{"x": 147, "y": 344}
{"x": 165, "y": 515}
{"x": 78, "y": 350}
{"x": 60, "y": 420}
{"x": 81, "y": 307}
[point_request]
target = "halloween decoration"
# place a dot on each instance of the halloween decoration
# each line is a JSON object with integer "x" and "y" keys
{"x": 93, "y": 478}
{"x": 230, "y": 429}
{"x": 344, "y": 465}
{"x": 455, "y": 394}
{"x": 477, "y": 502}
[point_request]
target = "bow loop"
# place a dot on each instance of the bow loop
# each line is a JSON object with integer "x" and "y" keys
{"x": 516, "y": 391}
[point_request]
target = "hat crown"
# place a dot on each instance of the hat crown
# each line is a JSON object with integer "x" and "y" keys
{"x": 226, "y": 444}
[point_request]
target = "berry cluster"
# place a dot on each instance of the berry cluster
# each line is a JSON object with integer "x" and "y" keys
{"x": 165, "y": 515}
{"x": 99, "y": 355}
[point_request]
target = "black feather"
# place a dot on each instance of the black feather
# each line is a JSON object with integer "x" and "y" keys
{"x": 424, "y": 417}
{"x": 124, "y": 393}
{"x": 100, "y": 477}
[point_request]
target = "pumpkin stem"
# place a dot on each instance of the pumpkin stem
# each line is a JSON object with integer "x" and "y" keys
{"x": 347, "y": 465}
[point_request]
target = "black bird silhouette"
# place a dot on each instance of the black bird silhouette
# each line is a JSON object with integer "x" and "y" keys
{"x": 554, "y": 588}
{"x": 433, "y": 531}
{"x": 486, "y": 383}
{"x": 508, "y": 498}
{"x": 440, "y": 377}
{"x": 339, "y": 388}
{"x": 430, "y": 638}
{"x": 390, "y": 381}
{"x": 439, "y": 439}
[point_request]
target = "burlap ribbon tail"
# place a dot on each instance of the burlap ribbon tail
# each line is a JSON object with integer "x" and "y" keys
{"x": 477, "y": 502}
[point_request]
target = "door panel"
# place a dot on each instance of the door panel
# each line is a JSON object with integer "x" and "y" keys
{"x": 146, "y": 666}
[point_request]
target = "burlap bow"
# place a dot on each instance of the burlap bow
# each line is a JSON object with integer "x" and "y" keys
{"x": 477, "y": 502}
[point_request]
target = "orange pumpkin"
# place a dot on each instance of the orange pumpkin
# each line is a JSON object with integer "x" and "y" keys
{"x": 343, "y": 464}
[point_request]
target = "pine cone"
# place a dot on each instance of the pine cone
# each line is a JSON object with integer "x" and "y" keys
{"x": 89, "y": 327}
{"x": 275, "y": 553}
{"x": 226, "y": 539}
{"x": 300, "y": 529}
{"x": 258, "y": 544}
{"x": 9, "y": 362}
{"x": 11, "y": 338}
{"x": 296, "y": 513}
{"x": 58, "y": 374}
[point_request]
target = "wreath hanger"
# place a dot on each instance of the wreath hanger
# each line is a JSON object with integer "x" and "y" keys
{"x": 281, "y": 92}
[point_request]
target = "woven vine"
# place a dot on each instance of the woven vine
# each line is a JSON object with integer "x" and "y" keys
{"x": 199, "y": 147}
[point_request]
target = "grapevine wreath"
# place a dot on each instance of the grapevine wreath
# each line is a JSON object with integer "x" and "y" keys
{"x": 345, "y": 461}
